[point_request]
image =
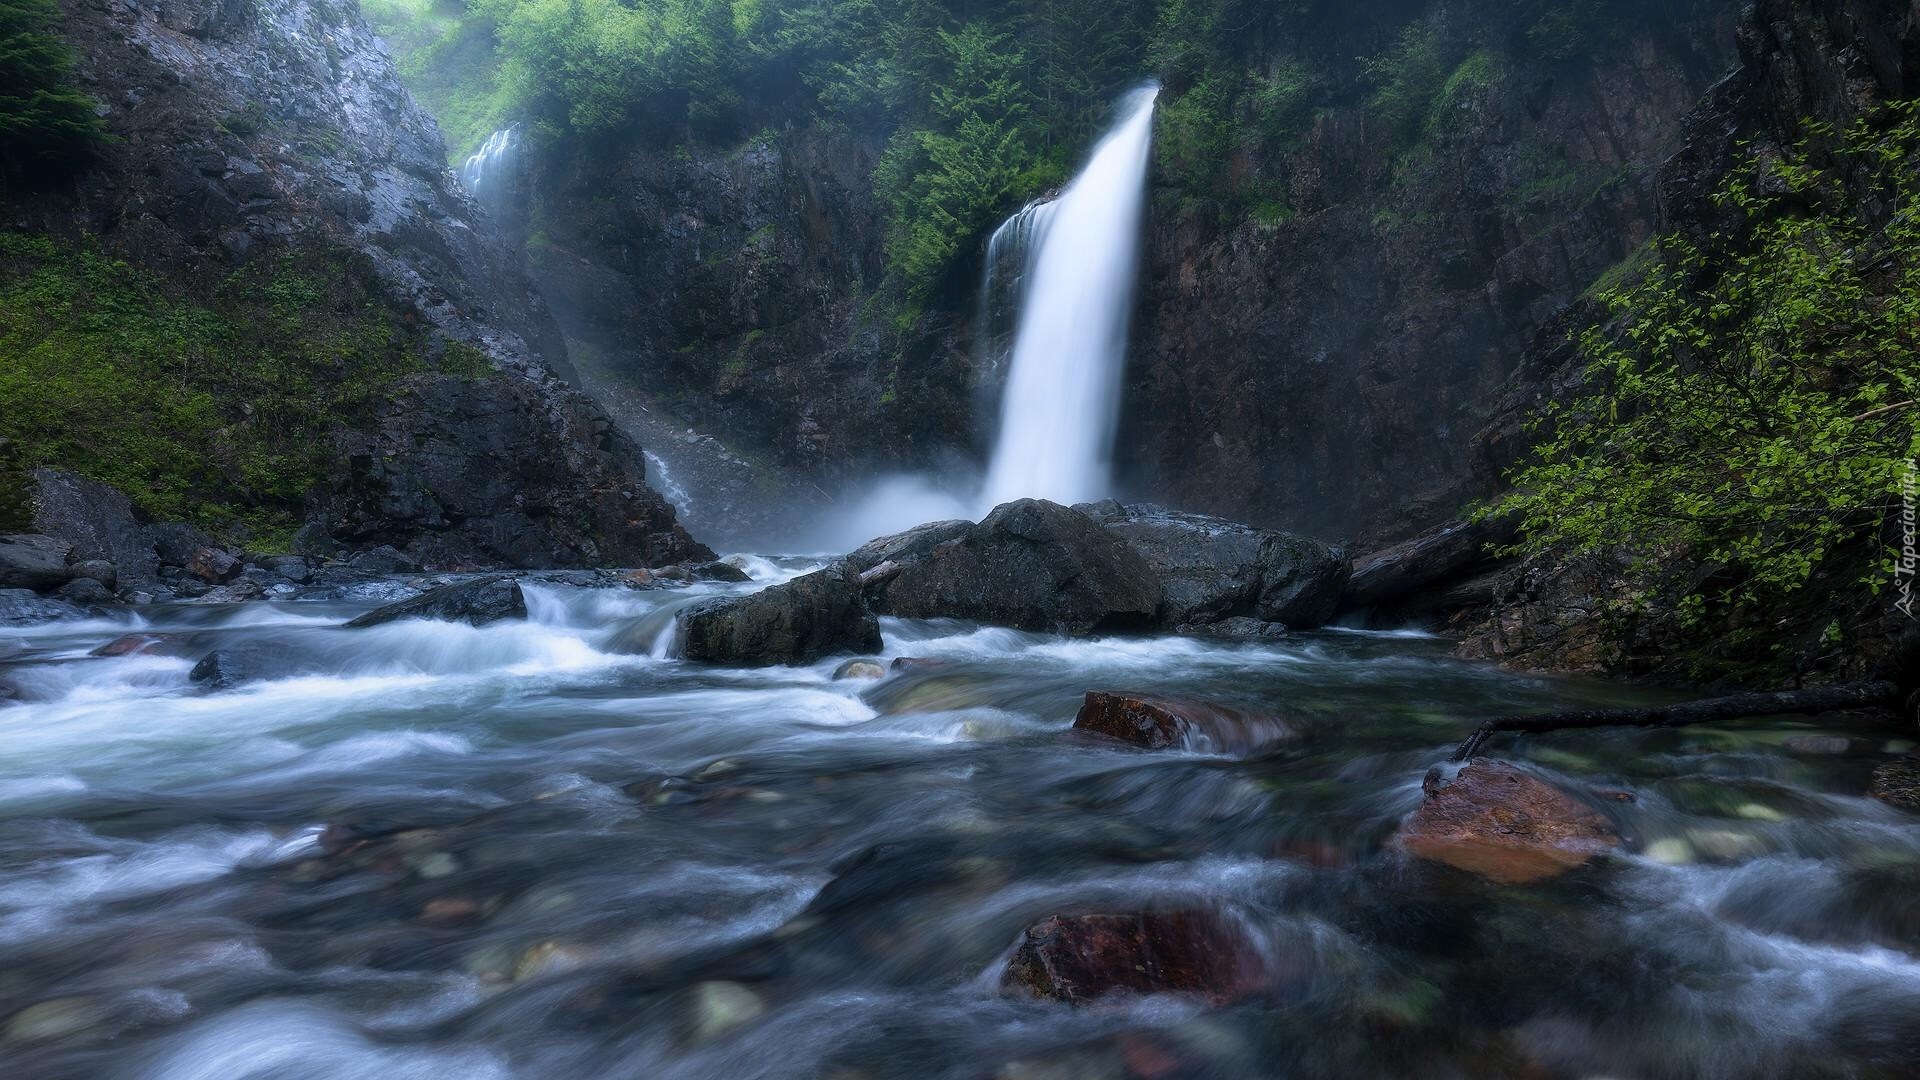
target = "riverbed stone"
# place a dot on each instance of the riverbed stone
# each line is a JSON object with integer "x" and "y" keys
{"x": 33, "y": 561}
{"x": 796, "y": 622}
{"x": 1078, "y": 959}
{"x": 476, "y": 603}
{"x": 85, "y": 592}
{"x": 1897, "y": 783}
{"x": 860, "y": 669}
{"x": 1030, "y": 565}
{"x": 213, "y": 565}
{"x": 1505, "y": 824}
{"x": 24, "y": 607}
{"x": 1157, "y": 722}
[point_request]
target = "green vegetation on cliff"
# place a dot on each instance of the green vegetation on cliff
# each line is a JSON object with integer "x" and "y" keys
{"x": 1750, "y": 406}
{"x": 197, "y": 405}
{"x": 982, "y": 104}
{"x": 46, "y": 125}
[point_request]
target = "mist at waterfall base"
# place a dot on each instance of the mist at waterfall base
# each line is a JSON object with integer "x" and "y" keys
{"x": 1074, "y": 260}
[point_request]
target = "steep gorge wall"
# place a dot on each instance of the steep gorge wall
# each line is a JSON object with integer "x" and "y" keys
{"x": 244, "y": 129}
{"x": 1315, "y": 365}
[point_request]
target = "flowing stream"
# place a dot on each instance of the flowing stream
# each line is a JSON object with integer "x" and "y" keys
{"x": 542, "y": 849}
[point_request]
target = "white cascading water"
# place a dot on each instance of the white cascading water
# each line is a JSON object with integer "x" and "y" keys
{"x": 1062, "y": 395}
{"x": 487, "y": 174}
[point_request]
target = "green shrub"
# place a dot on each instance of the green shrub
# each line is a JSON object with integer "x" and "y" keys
{"x": 1752, "y": 403}
{"x": 217, "y": 409}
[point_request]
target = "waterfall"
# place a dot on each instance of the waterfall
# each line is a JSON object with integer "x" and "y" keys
{"x": 488, "y": 173}
{"x": 664, "y": 483}
{"x": 1062, "y": 393}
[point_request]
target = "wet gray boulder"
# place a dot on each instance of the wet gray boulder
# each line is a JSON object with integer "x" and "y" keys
{"x": 33, "y": 561}
{"x": 476, "y": 603}
{"x": 796, "y": 622}
{"x": 24, "y": 607}
{"x": 243, "y": 662}
{"x": 97, "y": 520}
{"x": 904, "y": 547}
{"x": 1212, "y": 570}
{"x": 1030, "y": 565}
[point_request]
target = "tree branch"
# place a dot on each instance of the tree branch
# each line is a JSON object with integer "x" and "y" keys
{"x": 1734, "y": 707}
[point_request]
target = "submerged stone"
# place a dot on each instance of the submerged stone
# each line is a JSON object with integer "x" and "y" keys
{"x": 1506, "y": 825}
{"x": 1077, "y": 959}
{"x": 1157, "y": 722}
{"x": 860, "y": 669}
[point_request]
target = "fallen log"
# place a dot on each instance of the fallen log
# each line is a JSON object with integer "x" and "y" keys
{"x": 1734, "y": 707}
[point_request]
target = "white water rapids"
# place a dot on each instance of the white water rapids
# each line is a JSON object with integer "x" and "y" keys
{"x": 541, "y": 849}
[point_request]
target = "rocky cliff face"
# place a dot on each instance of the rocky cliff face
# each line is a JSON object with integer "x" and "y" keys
{"x": 1324, "y": 368}
{"x": 1801, "y": 62}
{"x": 247, "y": 126}
{"x": 1312, "y": 366}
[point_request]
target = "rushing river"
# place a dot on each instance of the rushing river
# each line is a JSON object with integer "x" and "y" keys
{"x": 423, "y": 850}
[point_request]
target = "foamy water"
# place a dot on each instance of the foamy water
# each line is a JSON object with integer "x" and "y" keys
{"x": 544, "y": 848}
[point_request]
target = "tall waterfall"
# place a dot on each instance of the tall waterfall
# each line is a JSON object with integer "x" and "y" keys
{"x": 1062, "y": 393}
{"x": 488, "y": 173}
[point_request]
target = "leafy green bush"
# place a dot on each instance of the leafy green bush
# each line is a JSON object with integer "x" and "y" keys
{"x": 1753, "y": 404}
{"x": 198, "y": 406}
{"x": 46, "y": 125}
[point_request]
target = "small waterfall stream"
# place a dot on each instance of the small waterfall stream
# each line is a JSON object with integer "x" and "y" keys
{"x": 487, "y": 174}
{"x": 1063, "y": 386}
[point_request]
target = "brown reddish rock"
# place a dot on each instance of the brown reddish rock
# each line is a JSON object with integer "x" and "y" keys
{"x": 1506, "y": 825}
{"x": 139, "y": 645}
{"x": 213, "y": 566}
{"x": 1156, "y": 722}
{"x": 1078, "y": 959}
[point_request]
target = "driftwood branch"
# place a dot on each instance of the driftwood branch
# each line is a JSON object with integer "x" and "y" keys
{"x": 1735, "y": 707}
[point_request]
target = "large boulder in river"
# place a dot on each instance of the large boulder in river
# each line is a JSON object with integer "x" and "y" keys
{"x": 904, "y": 547}
{"x": 1211, "y": 569}
{"x": 1030, "y": 565}
{"x": 1158, "y": 722}
{"x": 795, "y": 622}
{"x": 1077, "y": 959}
{"x": 97, "y": 519}
{"x": 1506, "y": 825}
{"x": 476, "y": 603}
{"x": 32, "y": 561}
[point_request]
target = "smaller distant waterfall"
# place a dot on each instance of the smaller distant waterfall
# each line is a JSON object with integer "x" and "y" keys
{"x": 664, "y": 482}
{"x": 488, "y": 174}
{"x": 1062, "y": 390}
